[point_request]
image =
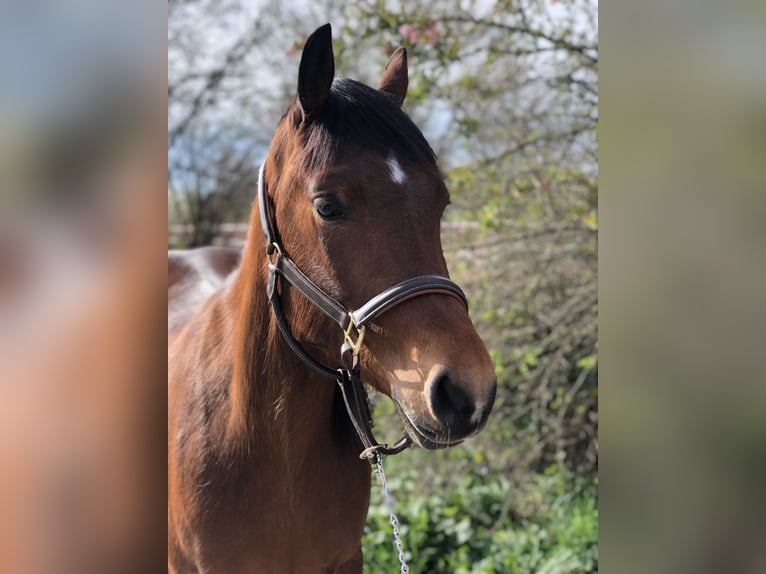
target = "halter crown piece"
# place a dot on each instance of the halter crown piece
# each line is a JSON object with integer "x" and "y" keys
{"x": 351, "y": 322}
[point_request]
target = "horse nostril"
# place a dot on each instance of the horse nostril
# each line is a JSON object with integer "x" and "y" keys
{"x": 450, "y": 403}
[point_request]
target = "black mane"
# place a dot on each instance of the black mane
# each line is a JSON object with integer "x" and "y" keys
{"x": 367, "y": 117}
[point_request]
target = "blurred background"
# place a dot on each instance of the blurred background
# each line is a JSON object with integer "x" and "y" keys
{"x": 507, "y": 94}
{"x": 82, "y": 287}
{"x": 682, "y": 173}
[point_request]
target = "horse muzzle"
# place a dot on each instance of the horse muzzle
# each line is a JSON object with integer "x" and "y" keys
{"x": 451, "y": 416}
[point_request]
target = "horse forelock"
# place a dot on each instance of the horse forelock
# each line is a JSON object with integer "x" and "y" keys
{"x": 357, "y": 114}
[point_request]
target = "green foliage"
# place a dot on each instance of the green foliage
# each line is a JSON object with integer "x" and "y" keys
{"x": 477, "y": 521}
{"x": 530, "y": 268}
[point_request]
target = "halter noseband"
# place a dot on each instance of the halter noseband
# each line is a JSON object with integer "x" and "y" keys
{"x": 351, "y": 322}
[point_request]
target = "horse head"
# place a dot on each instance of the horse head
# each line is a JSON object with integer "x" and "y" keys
{"x": 357, "y": 198}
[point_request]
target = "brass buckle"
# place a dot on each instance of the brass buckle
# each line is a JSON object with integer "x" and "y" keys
{"x": 355, "y": 346}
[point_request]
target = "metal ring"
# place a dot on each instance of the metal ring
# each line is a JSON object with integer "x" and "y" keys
{"x": 275, "y": 253}
{"x": 371, "y": 452}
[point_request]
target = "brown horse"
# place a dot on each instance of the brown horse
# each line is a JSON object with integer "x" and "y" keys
{"x": 264, "y": 473}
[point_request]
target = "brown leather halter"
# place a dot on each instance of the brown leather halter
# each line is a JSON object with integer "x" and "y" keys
{"x": 352, "y": 323}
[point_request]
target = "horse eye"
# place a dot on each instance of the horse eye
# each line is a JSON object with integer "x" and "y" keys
{"x": 329, "y": 208}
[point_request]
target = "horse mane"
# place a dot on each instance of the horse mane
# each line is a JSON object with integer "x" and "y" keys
{"x": 251, "y": 332}
{"x": 255, "y": 353}
{"x": 355, "y": 112}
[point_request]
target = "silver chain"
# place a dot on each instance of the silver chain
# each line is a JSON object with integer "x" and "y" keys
{"x": 390, "y": 503}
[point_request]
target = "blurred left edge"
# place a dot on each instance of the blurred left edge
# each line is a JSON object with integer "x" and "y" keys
{"x": 83, "y": 237}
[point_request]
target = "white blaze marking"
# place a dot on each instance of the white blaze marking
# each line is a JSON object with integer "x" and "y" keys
{"x": 396, "y": 171}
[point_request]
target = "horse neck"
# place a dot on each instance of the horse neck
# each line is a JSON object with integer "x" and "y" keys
{"x": 272, "y": 395}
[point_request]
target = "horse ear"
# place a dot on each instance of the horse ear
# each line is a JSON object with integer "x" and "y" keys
{"x": 315, "y": 73}
{"x": 394, "y": 80}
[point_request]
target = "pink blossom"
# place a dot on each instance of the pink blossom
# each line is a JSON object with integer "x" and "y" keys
{"x": 431, "y": 34}
{"x": 409, "y": 33}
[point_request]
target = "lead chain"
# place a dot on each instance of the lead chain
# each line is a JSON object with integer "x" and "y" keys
{"x": 390, "y": 504}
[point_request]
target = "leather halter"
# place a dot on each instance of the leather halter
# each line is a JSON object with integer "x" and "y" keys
{"x": 352, "y": 323}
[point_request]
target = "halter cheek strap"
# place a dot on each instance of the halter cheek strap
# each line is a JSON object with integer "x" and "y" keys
{"x": 351, "y": 322}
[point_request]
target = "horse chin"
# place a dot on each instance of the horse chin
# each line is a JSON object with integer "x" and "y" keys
{"x": 422, "y": 437}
